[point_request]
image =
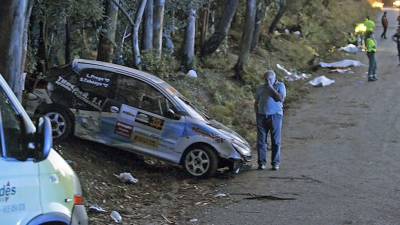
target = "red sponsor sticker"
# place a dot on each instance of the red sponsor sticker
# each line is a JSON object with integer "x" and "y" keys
{"x": 123, "y": 129}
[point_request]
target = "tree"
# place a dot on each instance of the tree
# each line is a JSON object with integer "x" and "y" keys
{"x": 148, "y": 26}
{"x": 188, "y": 53}
{"x": 14, "y": 21}
{"x": 222, "y": 28}
{"x": 158, "y": 23}
{"x": 105, "y": 51}
{"x": 260, "y": 15}
{"x": 281, "y": 12}
{"x": 247, "y": 36}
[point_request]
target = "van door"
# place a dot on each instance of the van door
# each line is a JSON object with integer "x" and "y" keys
{"x": 19, "y": 180}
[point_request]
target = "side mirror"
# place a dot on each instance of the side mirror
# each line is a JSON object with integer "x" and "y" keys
{"x": 43, "y": 140}
{"x": 173, "y": 115}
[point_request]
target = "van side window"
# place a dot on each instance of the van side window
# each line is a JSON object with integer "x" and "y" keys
{"x": 11, "y": 128}
{"x": 139, "y": 94}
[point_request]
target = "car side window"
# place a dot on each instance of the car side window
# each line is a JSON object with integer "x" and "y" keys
{"x": 97, "y": 87}
{"x": 11, "y": 128}
{"x": 141, "y": 95}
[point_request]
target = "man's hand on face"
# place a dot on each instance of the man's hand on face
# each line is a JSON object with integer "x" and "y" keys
{"x": 270, "y": 84}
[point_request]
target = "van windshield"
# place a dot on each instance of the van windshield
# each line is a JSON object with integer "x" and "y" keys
{"x": 10, "y": 128}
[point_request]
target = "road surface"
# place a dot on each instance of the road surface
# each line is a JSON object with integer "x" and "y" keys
{"x": 341, "y": 153}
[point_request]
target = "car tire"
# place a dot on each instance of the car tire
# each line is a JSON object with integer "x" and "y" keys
{"x": 61, "y": 121}
{"x": 200, "y": 161}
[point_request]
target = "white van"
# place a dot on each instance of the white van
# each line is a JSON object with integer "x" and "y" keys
{"x": 37, "y": 187}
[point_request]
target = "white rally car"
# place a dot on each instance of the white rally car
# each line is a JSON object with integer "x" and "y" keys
{"x": 36, "y": 185}
{"x": 138, "y": 112}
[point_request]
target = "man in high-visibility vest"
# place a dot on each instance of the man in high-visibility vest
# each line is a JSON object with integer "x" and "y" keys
{"x": 396, "y": 38}
{"x": 371, "y": 46}
{"x": 370, "y": 24}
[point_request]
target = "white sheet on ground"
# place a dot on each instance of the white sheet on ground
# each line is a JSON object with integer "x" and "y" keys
{"x": 350, "y": 48}
{"x": 293, "y": 76}
{"x": 342, "y": 64}
{"x": 321, "y": 81}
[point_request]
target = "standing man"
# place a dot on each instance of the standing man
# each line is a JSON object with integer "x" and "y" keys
{"x": 385, "y": 24}
{"x": 268, "y": 106}
{"x": 371, "y": 47}
{"x": 396, "y": 38}
{"x": 369, "y": 24}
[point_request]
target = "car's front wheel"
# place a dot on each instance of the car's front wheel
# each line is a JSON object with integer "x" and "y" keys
{"x": 61, "y": 121}
{"x": 201, "y": 161}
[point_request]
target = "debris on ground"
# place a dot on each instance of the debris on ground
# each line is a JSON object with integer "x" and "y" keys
{"x": 96, "y": 209}
{"x": 321, "y": 81}
{"x": 220, "y": 195}
{"x": 342, "y": 64}
{"x": 116, "y": 216}
{"x": 166, "y": 219}
{"x": 127, "y": 178}
{"x": 293, "y": 76}
{"x": 193, "y": 220}
{"x": 342, "y": 71}
{"x": 350, "y": 48}
{"x": 192, "y": 74}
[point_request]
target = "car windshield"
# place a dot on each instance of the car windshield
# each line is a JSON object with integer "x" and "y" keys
{"x": 191, "y": 109}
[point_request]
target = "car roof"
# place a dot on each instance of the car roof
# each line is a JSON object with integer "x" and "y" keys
{"x": 81, "y": 64}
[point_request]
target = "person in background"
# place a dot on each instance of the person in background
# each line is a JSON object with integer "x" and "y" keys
{"x": 396, "y": 38}
{"x": 269, "y": 99}
{"x": 385, "y": 24}
{"x": 371, "y": 47}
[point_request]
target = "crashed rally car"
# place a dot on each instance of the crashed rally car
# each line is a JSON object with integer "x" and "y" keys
{"x": 138, "y": 112}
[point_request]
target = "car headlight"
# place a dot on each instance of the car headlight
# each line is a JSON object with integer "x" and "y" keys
{"x": 241, "y": 149}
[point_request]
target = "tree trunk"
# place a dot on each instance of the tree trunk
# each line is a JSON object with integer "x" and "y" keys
{"x": 261, "y": 8}
{"x": 281, "y": 11}
{"x": 222, "y": 28}
{"x": 204, "y": 21}
{"x": 188, "y": 54}
{"x": 67, "y": 41}
{"x": 247, "y": 36}
{"x": 137, "y": 61}
{"x": 158, "y": 24}
{"x": 148, "y": 26}
{"x": 14, "y": 17}
{"x": 105, "y": 50}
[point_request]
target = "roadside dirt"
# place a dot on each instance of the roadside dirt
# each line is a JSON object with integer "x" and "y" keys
{"x": 163, "y": 195}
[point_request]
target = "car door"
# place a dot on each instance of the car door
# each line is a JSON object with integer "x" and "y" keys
{"x": 141, "y": 119}
{"x": 19, "y": 180}
{"x": 94, "y": 90}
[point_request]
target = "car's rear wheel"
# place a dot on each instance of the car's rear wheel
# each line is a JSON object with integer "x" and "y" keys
{"x": 61, "y": 122}
{"x": 201, "y": 161}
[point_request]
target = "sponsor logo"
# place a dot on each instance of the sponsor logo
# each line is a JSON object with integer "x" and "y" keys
{"x": 7, "y": 191}
{"x": 150, "y": 121}
{"x": 140, "y": 139}
{"x": 123, "y": 129}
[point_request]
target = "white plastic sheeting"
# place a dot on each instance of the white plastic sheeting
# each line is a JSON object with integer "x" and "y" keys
{"x": 350, "y": 48}
{"x": 342, "y": 64}
{"x": 321, "y": 81}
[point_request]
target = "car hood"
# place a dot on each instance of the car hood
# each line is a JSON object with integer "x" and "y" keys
{"x": 229, "y": 133}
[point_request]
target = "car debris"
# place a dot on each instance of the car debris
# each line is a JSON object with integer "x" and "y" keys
{"x": 116, "y": 216}
{"x": 127, "y": 178}
{"x": 194, "y": 220}
{"x": 321, "y": 81}
{"x": 96, "y": 209}
{"x": 220, "y": 195}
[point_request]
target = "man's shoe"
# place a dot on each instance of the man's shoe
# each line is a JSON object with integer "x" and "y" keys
{"x": 275, "y": 167}
{"x": 374, "y": 78}
{"x": 262, "y": 167}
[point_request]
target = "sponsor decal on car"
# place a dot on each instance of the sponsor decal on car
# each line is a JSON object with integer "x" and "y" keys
{"x": 127, "y": 114}
{"x": 147, "y": 141}
{"x": 7, "y": 191}
{"x": 13, "y": 208}
{"x": 123, "y": 129}
{"x": 150, "y": 121}
{"x": 204, "y": 133}
{"x": 96, "y": 80}
{"x": 93, "y": 101}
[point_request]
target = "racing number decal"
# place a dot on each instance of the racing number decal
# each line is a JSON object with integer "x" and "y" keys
{"x": 150, "y": 121}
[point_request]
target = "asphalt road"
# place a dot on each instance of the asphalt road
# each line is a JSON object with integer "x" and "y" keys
{"x": 341, "y": 152}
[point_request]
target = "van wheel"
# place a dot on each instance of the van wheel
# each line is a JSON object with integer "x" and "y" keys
{"x": 201, "y": 162}
{"x": 61, "y": 122}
